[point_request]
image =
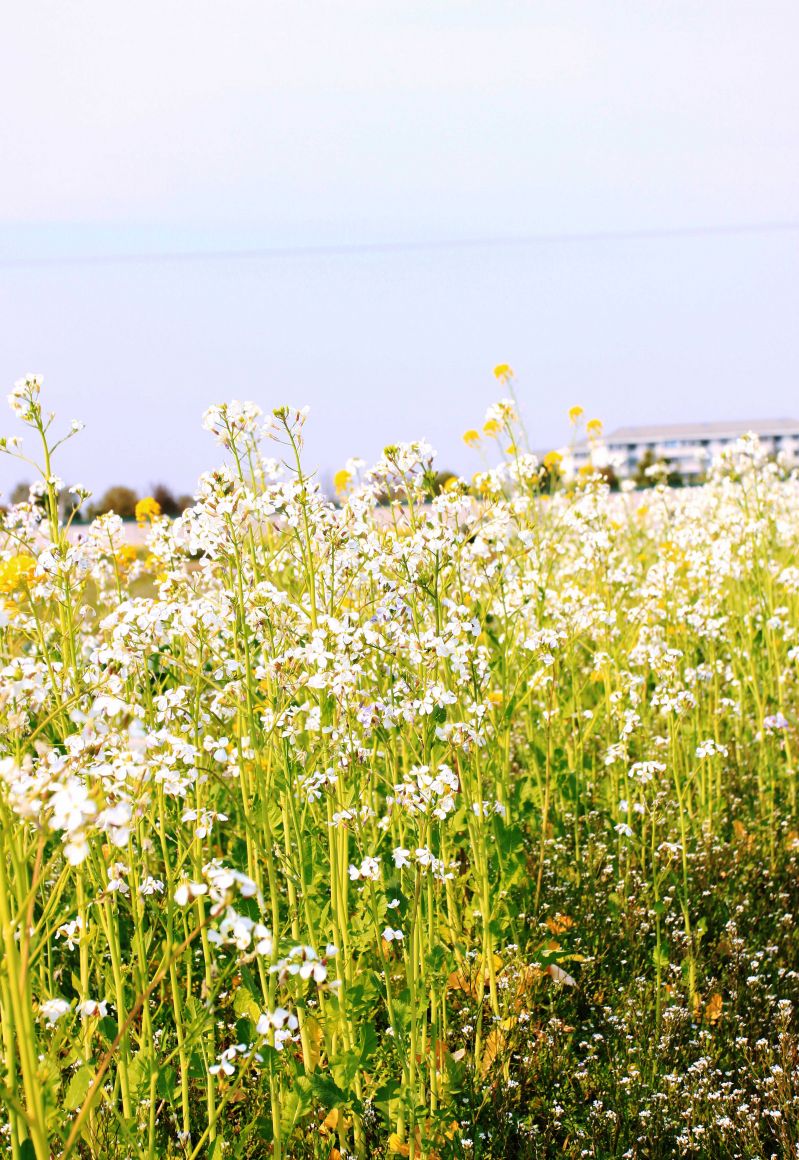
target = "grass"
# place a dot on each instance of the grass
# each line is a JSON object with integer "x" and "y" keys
{"x": 461, "y": 827}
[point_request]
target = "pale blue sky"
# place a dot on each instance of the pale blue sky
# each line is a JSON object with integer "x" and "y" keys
{"x": 181, "y": 127}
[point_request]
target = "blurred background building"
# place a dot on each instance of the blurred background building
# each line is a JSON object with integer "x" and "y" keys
{"x": 688, "y": 448}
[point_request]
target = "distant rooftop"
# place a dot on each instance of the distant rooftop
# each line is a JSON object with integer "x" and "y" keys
{"x": 725, "y": 429}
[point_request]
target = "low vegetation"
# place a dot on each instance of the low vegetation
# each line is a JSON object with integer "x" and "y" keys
{"x": 458, "y": 819}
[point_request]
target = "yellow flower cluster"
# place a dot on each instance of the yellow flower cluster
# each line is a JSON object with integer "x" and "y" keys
{"x": 147, "y": 509}
{"x": 126, "y": 556}
{"x": 16, "y": 572}
{"x": 342, "y": 480}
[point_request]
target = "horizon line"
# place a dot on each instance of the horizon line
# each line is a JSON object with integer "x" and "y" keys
{"x": 343, "y": 249}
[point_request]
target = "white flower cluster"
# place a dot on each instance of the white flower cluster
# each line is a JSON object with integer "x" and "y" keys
{"x": 427, "y": 792}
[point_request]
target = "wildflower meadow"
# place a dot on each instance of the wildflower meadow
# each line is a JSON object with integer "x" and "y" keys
{"x": 433, "y": 821}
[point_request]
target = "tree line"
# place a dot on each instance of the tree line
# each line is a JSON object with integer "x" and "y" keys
{"x": 119, "y": 499}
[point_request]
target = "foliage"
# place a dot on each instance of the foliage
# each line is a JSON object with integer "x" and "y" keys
{"x": 652, "y": 469}
{"x": 118, "y": 499}
{"x": 464, "y": 826}
{"x": 170, "y": 504}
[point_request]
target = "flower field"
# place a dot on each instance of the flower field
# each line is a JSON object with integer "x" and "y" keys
{"x": 437, "y": 822}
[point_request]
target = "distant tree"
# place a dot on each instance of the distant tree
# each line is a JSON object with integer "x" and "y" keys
{"x": 609, "y": 475}
{"x": 440, "y": 481}
{"x": 185, "y": 501}
{"x": 119, "y": 499}
{"x": 20, "y": 493}
{"x": 645, "y": 477}
{"x": 66, "y": 500}
{"x": 68, "y": 506}
{"x": 640, "y": 476}
{"x": 168, "y": 503}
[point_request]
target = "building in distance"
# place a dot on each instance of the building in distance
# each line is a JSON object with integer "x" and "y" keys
{"x": 690, "y": 448}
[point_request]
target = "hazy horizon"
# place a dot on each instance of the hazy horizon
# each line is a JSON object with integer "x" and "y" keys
{"x": 139, "y": 136}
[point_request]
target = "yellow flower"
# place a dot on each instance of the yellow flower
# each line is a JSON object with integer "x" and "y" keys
{"x": 510, "y": 449}
{"x": 126, "y": 555}
{"x": 481, "y": 484}
{"x": 495, "y": 698}
{"x": 147, "y": 509}
{"x": 471, "y": 437}
{"x": 491, "y": 427}
{"x": 575, "y": 414}
{"x": 452, "y": 484}
{"x": 594, "y": 427}
{"x": 552, "y": 459}
{"x": 342, "y": 480}
{"x": 503, "y": 372}
{"x": 16, "y": 572}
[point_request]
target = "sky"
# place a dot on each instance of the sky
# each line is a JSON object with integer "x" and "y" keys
{"x": 365, "y": 206}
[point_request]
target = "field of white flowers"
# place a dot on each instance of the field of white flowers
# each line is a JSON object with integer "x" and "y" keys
{"x": 432, "y": 823}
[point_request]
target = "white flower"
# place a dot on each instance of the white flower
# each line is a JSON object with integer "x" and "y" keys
{"x": 263, "y": 939}
{"x": 24, "y": 395}
{"x": 369, "y": 869}
{"x": 188, "y": 891}
{"x": 71, "y": 806}
{"x": 151, "y": 885}
{"x": 115, "y": 821}
{"x": 278, "y": 1026}
{"x": 116, "y": 878}
{"x": 91, "y": 1008}
{"x": 51, "y": 1010}
{"x": 71, "y": 932}
{"x": 226, "y": 1059}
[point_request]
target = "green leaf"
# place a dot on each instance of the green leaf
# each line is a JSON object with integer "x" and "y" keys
{"x": 368, "y": 1043}
{"x": 510, "y": 708}
{"x": 296, "y": 1105}
{"x": 326, "y": 1090}
{"x": 167, "y": 1082}
{"x": 78, "y": 1087}
{"x": 660, "y": 957}
{"x": 386, "y": 1093}
{"x": 138, "y": 1075}
{"x": 245, "y": 1005}
{"x": 345, "y": 1067}
{"x": 245, "y": 1030}
{"x": 108, "y": 1028}
{"x": 510, "y": 840}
